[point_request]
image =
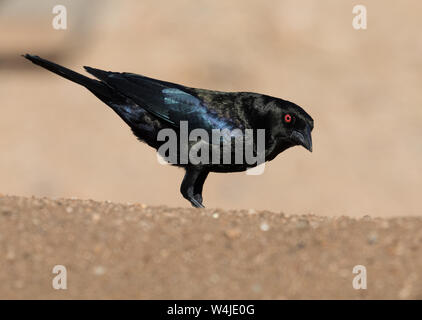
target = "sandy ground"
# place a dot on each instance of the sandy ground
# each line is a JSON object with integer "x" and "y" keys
{"x": 136, "y": 251}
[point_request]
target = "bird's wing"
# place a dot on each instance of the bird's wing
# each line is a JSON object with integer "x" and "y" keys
{"x": 168, "y": 101}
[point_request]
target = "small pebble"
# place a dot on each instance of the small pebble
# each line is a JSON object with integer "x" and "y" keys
{"x": 232, "y": 233}
{"x": 99, "y": 270}
{"x": 96, "y": 217}
{"x": 264, "y": 226}
{"x": 372, "y": 238}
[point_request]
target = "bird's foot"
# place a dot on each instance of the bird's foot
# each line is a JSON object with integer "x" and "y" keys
{"x": 196, "y": 201}
{"x": 198, "y": 197}
{"x": 191, "y": 189}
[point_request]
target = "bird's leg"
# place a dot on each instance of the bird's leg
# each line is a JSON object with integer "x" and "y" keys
{"x": 188, "y": 186}
{"x": 199, "y": 184}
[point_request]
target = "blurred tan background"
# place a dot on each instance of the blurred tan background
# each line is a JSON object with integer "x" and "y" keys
{"x": 362, "y": 87}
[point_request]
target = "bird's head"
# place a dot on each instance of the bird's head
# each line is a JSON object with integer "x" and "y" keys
{"x": 290, "y": 124}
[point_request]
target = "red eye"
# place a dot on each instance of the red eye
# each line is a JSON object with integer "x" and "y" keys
{"x": 287, "y": 118}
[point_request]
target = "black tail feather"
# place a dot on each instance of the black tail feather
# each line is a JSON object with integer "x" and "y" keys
{"x": 98, "y": 88}
{"x": 99, "y": 74}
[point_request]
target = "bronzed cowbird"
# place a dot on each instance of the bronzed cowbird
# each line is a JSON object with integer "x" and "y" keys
{"x": 153, "y": 109}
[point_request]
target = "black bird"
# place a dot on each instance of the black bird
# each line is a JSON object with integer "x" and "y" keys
{"x": 148, "y": 106}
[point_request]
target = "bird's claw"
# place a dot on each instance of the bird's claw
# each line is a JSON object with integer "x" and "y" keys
{"x": 195, "y": 203}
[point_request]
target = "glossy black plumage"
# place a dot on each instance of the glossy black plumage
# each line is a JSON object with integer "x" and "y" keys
{"x": 148, "y": 105}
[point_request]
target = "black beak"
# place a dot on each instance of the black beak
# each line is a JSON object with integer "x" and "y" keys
{"x": 303, "y": 138}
